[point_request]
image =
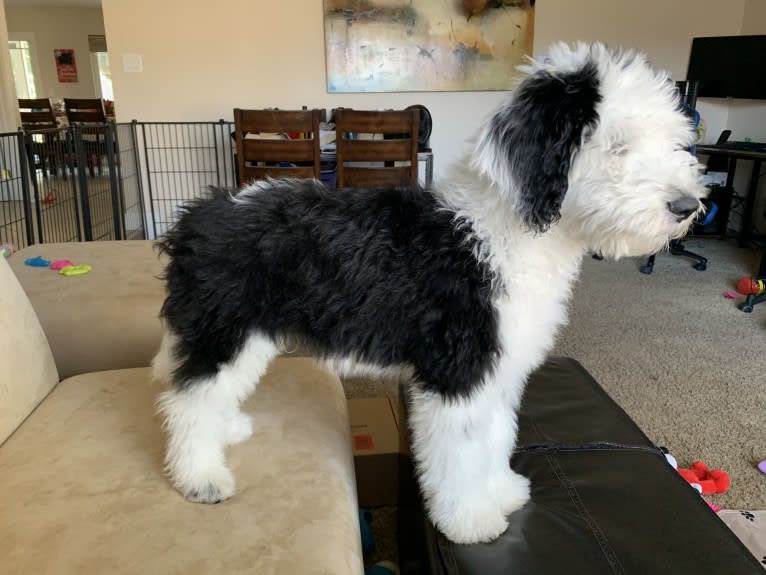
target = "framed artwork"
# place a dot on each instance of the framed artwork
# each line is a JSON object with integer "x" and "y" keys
{"x": 425, "y": 45}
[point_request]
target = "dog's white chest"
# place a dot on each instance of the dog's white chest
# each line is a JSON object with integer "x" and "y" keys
{"x": 532, "y": 310}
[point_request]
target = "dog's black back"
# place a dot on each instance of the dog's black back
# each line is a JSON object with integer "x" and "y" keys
{"x": 387, "y": 277}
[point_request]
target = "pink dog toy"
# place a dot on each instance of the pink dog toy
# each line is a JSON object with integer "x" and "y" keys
{"x": 58, "y": 264}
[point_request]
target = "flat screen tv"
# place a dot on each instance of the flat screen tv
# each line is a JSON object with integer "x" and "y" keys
{"x": 729, "y": 67}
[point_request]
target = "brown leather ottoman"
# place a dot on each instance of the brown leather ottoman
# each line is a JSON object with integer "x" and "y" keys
{"x": 604, "y": 499}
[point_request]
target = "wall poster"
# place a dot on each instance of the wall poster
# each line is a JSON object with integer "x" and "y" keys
{"x": 66, "y": 67}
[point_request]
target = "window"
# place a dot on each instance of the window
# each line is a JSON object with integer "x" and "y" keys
{"x": 21, "y": 65}
{"x": 102, "y": 74}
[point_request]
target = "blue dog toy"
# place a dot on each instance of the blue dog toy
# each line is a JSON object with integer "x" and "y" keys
{"x": 364, "y": 523}
{"x": 37, "y": 262}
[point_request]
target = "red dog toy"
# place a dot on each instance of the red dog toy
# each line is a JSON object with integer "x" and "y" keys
{"x": 715, "y": 481}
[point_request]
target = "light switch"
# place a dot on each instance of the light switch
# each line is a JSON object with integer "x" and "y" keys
{"x": 132, "y": 63}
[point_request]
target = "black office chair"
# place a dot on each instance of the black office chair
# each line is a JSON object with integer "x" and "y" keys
{"x": 688, "y": 91}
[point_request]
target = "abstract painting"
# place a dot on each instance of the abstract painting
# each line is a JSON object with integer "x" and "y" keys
{"x": 425, "y": 45}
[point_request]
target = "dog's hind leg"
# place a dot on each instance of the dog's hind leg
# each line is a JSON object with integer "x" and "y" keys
{"x": 462, "y": 448}
{"x": 202, "y": 416}
{"x": 164, "y": 362}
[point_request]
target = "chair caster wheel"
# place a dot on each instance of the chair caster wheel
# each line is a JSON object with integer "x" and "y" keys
{"x": 745, "y": 308}
{"x": 646, "y": 269}
{"x": 702, "y": 266}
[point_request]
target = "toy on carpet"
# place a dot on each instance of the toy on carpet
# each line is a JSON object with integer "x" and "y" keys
{"x": 751, "y": 286}
{"x": 704, "y": 480}
{"x": 6, "y": 250}
{"x": 365, "y": 518}
{"x": 700, "y": 477}
{"x": 714, "y": 506}
{"x": 762, "y": 466}
{"x": 383, "y": 568}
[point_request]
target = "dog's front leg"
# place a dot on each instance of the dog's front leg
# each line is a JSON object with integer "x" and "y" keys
{"x": 462, "y": 448}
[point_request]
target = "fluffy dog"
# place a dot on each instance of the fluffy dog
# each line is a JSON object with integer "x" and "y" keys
{"x": 463, "y": 287}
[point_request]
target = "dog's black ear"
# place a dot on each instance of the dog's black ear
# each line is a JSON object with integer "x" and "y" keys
{"x": 530, "y": 142}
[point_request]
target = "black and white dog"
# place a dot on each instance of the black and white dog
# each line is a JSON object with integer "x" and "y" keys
{"x": 463, "y": 287}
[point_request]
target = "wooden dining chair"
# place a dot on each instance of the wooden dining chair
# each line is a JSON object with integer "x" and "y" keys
{"x": 376, "y": 149}
{"x": 277, "y": 143}
{"x": 43, "y": 141}
{"x": 84, "y": 110}
{"x": 37, "y": 114}
{"x": 88, "y": 113}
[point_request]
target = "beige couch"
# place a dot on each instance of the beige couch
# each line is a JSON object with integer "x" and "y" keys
{"x": 81, "y": 483}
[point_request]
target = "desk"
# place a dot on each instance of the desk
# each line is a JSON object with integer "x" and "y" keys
{"x": 752, "y": 188}
{"x": 757, "y": 157}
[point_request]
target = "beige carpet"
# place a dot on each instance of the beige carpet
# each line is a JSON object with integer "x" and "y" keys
{"x": 682, "y": 360}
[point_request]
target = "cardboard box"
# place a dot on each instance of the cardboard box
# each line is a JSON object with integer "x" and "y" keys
{"x": 381, "y": 456}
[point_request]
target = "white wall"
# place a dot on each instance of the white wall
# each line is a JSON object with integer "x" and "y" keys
{"x": 9, "y": 111}
{"x": 747, "y": 118}
{"x": 59, "y": 27}
{"x": 202, "y": 59}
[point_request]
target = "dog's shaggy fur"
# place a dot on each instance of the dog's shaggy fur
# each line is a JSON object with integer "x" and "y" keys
{"x": 463, "y": 287}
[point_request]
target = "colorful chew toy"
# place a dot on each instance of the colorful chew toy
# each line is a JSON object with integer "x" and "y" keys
{"x": 751, "y": 286}
{"x": 64, "y": 267}
{"x": 705, "y": 480}
{"x": 38, "y": 262}
{"x": 58, "y": 264}
{"x": 6, "y": 250}
{"x": 75, "y": 270}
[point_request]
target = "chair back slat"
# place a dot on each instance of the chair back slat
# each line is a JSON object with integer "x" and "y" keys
{"x": 386, "y": 141}
{"x": 382, "y": 177}
{"x": 263, "y": 172}
{"x": 84, "y": 110}
{"x": 277, "y": 143}
{"x": 37, "y": 114}
{"x": 279, "y": 150}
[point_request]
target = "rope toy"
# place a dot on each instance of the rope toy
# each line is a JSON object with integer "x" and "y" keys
{"x": 704, "y": 480}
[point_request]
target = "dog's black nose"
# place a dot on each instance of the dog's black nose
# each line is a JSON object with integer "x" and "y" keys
{"x": 684, "y": 206}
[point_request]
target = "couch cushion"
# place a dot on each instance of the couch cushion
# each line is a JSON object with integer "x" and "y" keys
{"x": 105, "y": 319}
{"x": 27, "y": 371}
{"x": 82, "y": 488}
{"x": 604, "y": 500}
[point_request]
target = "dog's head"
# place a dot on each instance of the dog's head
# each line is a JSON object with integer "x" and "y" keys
{"x": 595, "y": 142}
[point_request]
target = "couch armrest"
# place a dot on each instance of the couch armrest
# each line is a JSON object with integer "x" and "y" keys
{"x": 27, "y": 370}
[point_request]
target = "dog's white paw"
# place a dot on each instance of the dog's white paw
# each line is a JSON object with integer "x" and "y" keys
{"x": 209, "y": 486}
{"x": 238, "y": 428}
{"x": 511, "y": 491}
{"x": 478, "y": 523}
